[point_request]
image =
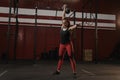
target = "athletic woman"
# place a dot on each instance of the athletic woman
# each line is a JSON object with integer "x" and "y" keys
{"x": 66, "y": 43}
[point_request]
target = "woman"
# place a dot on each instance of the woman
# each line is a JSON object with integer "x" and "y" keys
{"x": 66, "y": 43}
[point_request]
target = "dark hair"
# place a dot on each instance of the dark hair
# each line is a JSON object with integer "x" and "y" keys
{"x": 67, "y": 22}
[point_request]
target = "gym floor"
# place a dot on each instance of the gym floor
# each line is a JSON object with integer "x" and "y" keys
{"x": 43, "y": 71}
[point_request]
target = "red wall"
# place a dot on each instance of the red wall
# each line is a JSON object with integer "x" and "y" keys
{"x": 48, "y": 39}
{"x": 3, "y": 39}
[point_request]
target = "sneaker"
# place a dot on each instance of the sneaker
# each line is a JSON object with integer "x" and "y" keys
{"x": 56, "y": 73}
{"x": 75, "y": 75}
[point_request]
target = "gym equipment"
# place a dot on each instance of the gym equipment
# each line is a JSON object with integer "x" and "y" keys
{"x": 67, "y": 10}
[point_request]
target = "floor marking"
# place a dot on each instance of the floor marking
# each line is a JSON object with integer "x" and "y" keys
{"x": 3, "y": 73}
{"x": 90, "y": 73}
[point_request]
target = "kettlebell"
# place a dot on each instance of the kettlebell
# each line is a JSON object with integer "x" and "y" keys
{"x": 67, "y": 10}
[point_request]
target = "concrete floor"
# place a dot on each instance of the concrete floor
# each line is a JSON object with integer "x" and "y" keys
{"x": 43, "y": 71}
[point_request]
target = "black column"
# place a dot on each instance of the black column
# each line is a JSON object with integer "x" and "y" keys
{"x": 8, "y": 31}
{"x": 35, "y": 34}
{"x": 16, "y": 2}
{"x": 96, "y": 32}
{"x": 82, "y": 36}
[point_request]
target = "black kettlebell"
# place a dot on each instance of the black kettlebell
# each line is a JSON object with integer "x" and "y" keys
{"x": 67, "y": 10}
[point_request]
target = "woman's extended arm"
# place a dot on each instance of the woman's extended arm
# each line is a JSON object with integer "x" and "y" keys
{"x": 74, "y": 26}
{"x": 63, "y": 14}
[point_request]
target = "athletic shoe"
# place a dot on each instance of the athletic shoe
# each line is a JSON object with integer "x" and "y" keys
{"x": 56, "y": 73}
{"x": 74, "y": 75}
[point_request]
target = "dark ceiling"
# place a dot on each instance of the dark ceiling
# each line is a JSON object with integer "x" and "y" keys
{"x": 105, "y": 6}
{"x": 45, "y": 4}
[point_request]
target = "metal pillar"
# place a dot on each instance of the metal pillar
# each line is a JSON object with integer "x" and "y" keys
{"x": 82, "y": 36}
{"x": 8, "y": 32}
{"x": 74, "y": 17}
{"x": 35, "y": 34}
{"x": 96, "y": 32}
{"x": 16, "y": 2}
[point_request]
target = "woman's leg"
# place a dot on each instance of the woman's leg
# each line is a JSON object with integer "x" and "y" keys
{"x": 71, "y": 56}
{"x": 61, "y": 56}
